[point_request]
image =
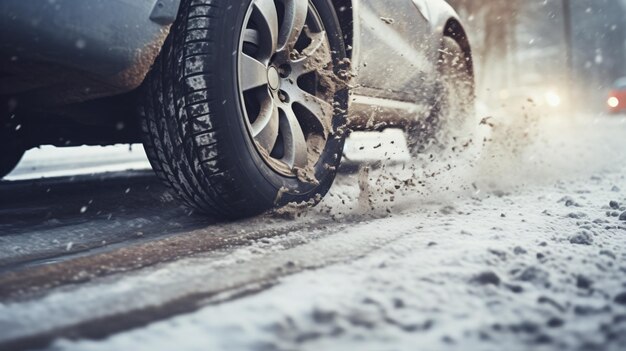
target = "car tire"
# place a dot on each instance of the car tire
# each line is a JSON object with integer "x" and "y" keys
{"x": 454, "y": 99}
{"x": 11, "y": 152}
{"x": 11, "y": 157}
{"x": 227, "y": 147}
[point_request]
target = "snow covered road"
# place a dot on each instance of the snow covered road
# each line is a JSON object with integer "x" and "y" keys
{"x": 518, "y": 247}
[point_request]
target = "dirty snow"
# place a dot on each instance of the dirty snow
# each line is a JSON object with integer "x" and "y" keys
{"x": 515, "y": 245}
{"x": 48, "y": 161}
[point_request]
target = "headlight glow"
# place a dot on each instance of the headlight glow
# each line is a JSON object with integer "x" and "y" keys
{"x": 553, "y": 99}
{"x": 613, "y": 102}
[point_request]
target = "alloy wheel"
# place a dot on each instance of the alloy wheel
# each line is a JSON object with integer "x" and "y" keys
{"x": 286, "y": 83}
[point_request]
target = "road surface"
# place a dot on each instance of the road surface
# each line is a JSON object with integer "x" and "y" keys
{"x": 513, "y": 243}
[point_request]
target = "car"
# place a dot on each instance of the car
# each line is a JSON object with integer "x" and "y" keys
{"x": 242, "y": 105}
{"x": 538, "y": 97}
{"x": 617, "y": 97}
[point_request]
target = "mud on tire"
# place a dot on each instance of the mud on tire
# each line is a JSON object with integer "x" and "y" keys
{"x": 195, "y": 121}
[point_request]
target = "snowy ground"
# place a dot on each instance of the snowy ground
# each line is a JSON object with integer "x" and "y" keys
{"x": 513, "y": 244}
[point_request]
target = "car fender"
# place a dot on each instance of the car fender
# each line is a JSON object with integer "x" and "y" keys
{"x": 445, "y": 21}
{"x": 114, "y": 41}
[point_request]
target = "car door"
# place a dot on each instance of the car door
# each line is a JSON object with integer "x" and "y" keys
{"x": 395, "y": 49}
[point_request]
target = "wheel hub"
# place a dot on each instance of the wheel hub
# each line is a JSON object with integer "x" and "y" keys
{"x": 273, "y": 78}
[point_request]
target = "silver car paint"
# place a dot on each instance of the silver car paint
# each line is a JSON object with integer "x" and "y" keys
{"x": 394, "y": 73}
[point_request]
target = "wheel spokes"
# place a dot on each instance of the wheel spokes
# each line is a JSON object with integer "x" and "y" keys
{"x": 295, "y": 146}
{"x": 320, "y": 109}
{"x": 286, "y": 84}
{"x": 266, "y": 17}
{"x": 265, "y": 128}
{"x": 252, "y": 36}
{"x": 315, "y": 57}
{"x": 253, "y": 73}
{"x": 293, "y": 23}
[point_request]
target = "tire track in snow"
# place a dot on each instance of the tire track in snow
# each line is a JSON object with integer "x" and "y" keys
{"x": 186, "y": 285}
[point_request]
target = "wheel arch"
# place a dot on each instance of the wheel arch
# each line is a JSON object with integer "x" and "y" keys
{"x": 454, "y": 29}
{"x": 345, "y": 14}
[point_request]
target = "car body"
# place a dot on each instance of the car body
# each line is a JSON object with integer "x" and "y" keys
{"x": 616, "y": 100}
{"x": 71, "y": 69}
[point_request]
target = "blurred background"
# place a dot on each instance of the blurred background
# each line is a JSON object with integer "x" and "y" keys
{"x": 565, "y": 54}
